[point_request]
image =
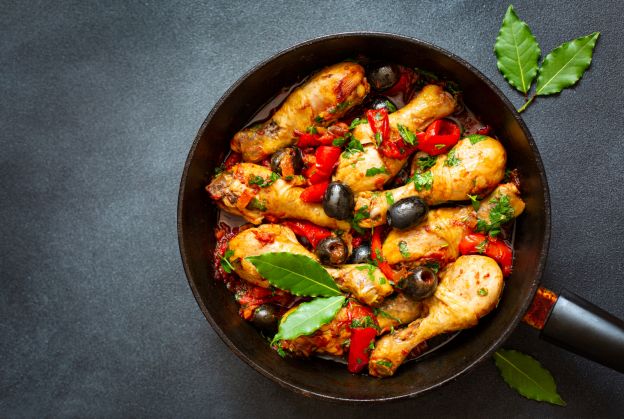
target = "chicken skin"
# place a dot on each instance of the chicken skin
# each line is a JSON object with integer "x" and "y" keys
{"x": 469, "y": 289}
{"x": 437, "y": 238}
{"x": 430, "y": 104}
{"x": 323, "y": 99}
{"x": 365, "y": 282}
{"x": 249, "y": 190}
{"x": 475, "y": 169}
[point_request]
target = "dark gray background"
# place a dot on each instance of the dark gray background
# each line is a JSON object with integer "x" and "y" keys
{"x": 99, "y": 105}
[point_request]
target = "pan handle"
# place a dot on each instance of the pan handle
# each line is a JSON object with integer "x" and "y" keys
{"x": 581, "y": 327}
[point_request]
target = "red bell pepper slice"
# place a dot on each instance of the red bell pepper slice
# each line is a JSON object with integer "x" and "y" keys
{"x": 403, "y": 85}
{"x": 439, "y": 137}
{"x": 310, "y": 231}
{"x": 359, "y": 348}
{"x": 326, "y": 157}
{"x": 399, "y": 149}
{"x": 497, "y": 249}
{"x": 306, "y": 139}
{"x": 377, "y": 256}
{"x": 379, "y": 123}
{"x": 314, "y": 194}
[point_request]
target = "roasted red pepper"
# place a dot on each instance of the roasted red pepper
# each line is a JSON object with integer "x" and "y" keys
{"x": 439, "y": 137}
{"x": 313, "y": 233}
{"x": 497, "y": 249}
{"x": 379, "y": 123}
{"x": 314, "y": 194}
{"x": 363, "y": 332}
{"x": 399, "y": 149}
{"x": 360, "y": 348}
{"x": 403, "y": 85}
{"x": 325, "y": 157}
{"x": 377, "y": 256}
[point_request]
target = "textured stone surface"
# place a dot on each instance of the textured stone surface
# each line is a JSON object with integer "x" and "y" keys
{"x": 99, "y": 105}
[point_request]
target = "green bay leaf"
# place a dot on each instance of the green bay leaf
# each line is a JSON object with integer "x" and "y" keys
{"x": 527, "y": 376}
{"x": 298, "y": 274}
{"x": 565, "y": 65}
{"x": 517, "y": 52}
{"x": 308, "y": 317}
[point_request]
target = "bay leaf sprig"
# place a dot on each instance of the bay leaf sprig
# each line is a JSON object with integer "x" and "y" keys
{"x": 303, "y": 276}
{"x": 517, "y": 53}
{"x": 527, "y": 376}
{"x": 298, "y": 274}
{"x": 308, "y": 317}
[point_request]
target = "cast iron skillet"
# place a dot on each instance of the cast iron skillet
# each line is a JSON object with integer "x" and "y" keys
{"x": 197, "y": 217}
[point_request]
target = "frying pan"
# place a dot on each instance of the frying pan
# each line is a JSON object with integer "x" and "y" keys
{"x": 570, "y": 321}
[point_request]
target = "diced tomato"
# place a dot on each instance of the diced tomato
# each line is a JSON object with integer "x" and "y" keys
{"x": 310, "y": 231}
{"x": 232, "y": 159}
{"x": 306, "y": 139}
{"x": 495, "y": 248}
{"x": 377, "y": 256}
{"x": 439, "y": 137}
{"x": 314, "y": 194}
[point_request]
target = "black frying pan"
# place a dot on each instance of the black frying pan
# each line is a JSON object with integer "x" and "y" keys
{"x": 197, "y": 216}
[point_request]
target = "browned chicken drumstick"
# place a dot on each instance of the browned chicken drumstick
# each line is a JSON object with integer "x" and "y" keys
{"x": 253, "y": 192}
{"x": 469, "y": 289}
{"x": 430, "y": 104}
{"x": 476, "y": 168}
{"x": 323, "y": 99}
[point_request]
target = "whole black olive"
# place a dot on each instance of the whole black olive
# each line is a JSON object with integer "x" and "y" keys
{"x": 361, "y": 254}
{"x": 338, "y": 201}
{"x": 407, "y": 213}
{"x": 280, "y": 157}
{"x": 419, "y": 283}
{"x": 380, "y": 102}
{"x": 265, "y": 318}
{"x": 383, "y": 76}
{"x": 332, "y": 251}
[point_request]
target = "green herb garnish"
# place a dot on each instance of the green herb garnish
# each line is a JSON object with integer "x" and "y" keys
{"x": 408, "y": 136}
{"x": 451, "y": 159}
{"x": 225, "y": 261}
{"x": 357, "y": 121}
{"x": 403, "y": 249}
{"x": 423, "y": 181}
{"x": 501, "y": 213}
{"x": 389, "y": 198}
{"x": 474, "y": 200}
{"x": 425, "y": 163}
{"x": 476, "y": 138}
{"x": 373, "y": 171}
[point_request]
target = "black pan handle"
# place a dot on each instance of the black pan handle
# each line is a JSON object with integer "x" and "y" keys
{"x": 581, "y": 327}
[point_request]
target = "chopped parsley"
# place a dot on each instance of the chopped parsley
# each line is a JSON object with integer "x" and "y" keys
{"x": 474, "y": 200}
{"x": 482, "y": 292}
{"x": 403, "y": 249}
{"x": 381, "y": 313}
{"x": 408, "y": 136}
{"x": 357, "y": 121}
{"x": 373, "y": 171}
{"x": 440, "y": 146}
{"x": 378, "y": 138}
{"x": 423, "y": 181}
{"x": 384, "y": 363}
{"x": 501, "y": 213}
{"x": 476, "y": 138}
{"x": 451, "y": 159}
{"x": 353, "y": 147}
{"x": 371, "y": 270}
{"x": 319, "y": 119}
{"x": 362, "y": 213}
{"x": 481, "y": 246}
{"x": 363, "y": 322}
{"x": 256, "y": 204}
{"x": 262, "y": 182}
{"x": 225, "y": 261}
{"x": 389, "y": 198}
{"x": 338, "y": 142}
{"x": 340, "y": 107}
{"x": 219, "y": 169}
{"x": 311, "y": 130}
{"x": 425, "y": 163}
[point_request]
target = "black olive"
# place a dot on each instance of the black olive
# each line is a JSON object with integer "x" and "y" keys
{"x": 381, "y": 102}
{"x": 265, "y": 318}
{"x": 419, "y": 283}
{"x": 338, "y": 201}
{"x": 292, "y": 153}
{"x": 361, "y": 254}
{"x": 332, "y": 251}
{"x": 407, "y": 213}
{"x": 383, "y": 76}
